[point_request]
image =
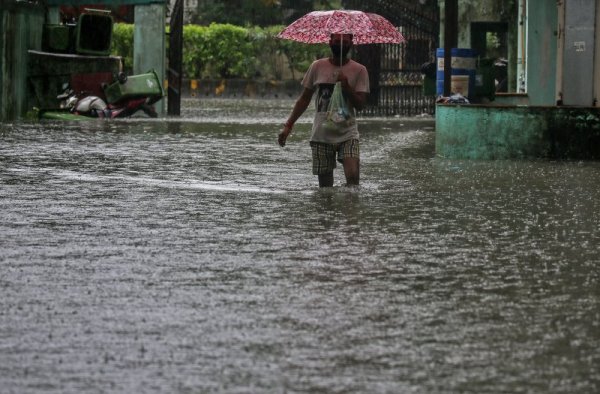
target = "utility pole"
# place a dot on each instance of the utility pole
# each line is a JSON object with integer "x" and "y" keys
{"x": 450, "y": 41}
{"x": 175, "y": 60}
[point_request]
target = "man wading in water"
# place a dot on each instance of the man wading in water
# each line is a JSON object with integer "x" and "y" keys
{"x": 326, "y": 142}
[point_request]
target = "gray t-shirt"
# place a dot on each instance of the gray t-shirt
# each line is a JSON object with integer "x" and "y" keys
{"x": 321, "y": 77}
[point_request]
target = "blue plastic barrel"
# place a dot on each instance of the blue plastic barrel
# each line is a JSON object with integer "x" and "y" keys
{"x": 464, "y": 63}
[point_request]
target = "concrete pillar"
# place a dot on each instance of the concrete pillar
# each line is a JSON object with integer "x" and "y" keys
{"x": 20, "y": 30}
{"x": 542, "y": 44}
{"x": 149, "y": 43}
{"x": 578, "y": 60}
{"x": 53, "y": 15}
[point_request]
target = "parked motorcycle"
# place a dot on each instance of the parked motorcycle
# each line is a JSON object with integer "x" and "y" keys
{"x": 96, "y": 107}
{"x": 120, "y": 99}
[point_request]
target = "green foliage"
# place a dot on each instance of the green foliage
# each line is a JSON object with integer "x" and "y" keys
{"x": 195, "y": 52}
{"x": 271, "y": 51}
{"x": 299, "y": 55}
{"x": 257, "y": 12}
{"x": 217, "y": 51}
{"x": 228, "y": 51}
{"x": 239, "y": 12}
{"x": 122, "y": 44}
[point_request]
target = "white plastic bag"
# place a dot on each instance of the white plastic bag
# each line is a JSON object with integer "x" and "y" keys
{"x": 338, "y": 113}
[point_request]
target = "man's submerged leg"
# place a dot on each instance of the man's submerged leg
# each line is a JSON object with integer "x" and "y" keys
{"x": 326, "y": 180}
{"x": 352, "y": 170}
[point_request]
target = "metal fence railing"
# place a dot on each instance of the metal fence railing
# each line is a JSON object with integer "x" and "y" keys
{"x": 395, "y": 70}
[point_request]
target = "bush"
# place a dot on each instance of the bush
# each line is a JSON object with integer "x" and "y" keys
{"x": 194, "y": 50}
{"x": 300, "y": 55}
{"x": 228, "y": 51}
{"x": 270, "y": 50}
{"x": 122, "y": 44}
{"x": 218, "y": 51}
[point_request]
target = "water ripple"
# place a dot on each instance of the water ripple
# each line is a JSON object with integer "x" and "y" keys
{"x": 195, "y": 255}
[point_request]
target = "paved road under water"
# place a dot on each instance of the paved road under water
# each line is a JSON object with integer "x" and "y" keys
{"x": 194, "y": 255}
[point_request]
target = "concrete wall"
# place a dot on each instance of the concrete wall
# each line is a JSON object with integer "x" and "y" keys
{"x": 20, "y": 29}
{"x": 482, "y": 11}
{"x": 241, "y": 88}
{"x": 488, "y": 133}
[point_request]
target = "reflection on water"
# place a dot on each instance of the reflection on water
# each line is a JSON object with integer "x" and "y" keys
{"x": 195, "y": 255}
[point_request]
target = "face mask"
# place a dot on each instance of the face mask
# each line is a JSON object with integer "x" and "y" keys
{"x": 335, "y": 49}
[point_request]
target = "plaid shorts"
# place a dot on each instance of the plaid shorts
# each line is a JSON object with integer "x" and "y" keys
{"x": 324, "y": 155}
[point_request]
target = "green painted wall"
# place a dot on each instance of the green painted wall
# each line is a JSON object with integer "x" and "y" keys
{"x": 511, "y": 132}
{"x": 542, "y": 46}
{"x": 21, "y": 29}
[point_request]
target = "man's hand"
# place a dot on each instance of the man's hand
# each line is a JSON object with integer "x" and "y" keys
{"x": 284, "y": 135}
{"x": 301, "y": 104}
{"x": 358, "y": 99}
{"x": 344, "y": 80}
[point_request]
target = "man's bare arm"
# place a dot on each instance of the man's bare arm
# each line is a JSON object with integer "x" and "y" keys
{"x": 301, "y": 105}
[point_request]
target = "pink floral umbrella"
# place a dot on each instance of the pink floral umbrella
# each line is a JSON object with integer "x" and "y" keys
{"x": 316, "y": 27}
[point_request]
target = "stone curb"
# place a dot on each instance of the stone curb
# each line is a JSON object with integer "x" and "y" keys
{"x": 239, "y": 88}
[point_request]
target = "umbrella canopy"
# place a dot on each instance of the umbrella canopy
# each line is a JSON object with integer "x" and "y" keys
{"x": 316, "y": 28}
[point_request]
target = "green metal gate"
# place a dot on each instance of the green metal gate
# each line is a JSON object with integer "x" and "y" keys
{"x": 395, "y": 70}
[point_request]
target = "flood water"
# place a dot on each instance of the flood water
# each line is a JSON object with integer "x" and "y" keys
{"x": 194, "y": 255}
